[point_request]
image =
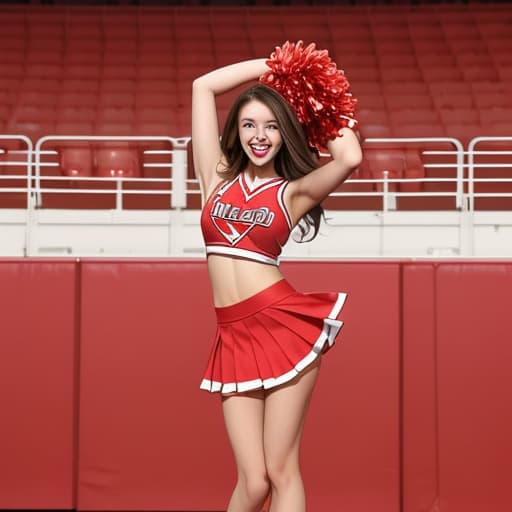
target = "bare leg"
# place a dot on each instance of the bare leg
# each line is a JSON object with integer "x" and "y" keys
{"x": 285, "y": 412}
{"x": 243, "y": 415}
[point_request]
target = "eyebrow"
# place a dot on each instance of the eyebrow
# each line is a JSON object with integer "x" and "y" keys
{"x": 251, "y": 119}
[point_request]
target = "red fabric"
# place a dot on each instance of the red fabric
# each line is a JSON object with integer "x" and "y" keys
{"x": 270, "y": 338}
{"x": 251, "y": 223}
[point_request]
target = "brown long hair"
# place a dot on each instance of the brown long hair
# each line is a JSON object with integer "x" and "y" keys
{"x": 295, "y": 158}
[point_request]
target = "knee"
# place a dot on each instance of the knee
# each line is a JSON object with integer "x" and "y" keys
{"x": 255, "y": 487}
{"x": 283, "y": 475}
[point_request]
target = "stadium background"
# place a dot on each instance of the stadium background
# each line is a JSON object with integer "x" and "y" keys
{"x": 100, "y": 358}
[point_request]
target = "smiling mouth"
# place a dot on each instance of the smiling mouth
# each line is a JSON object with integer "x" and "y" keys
{"x": 259, "y": 150}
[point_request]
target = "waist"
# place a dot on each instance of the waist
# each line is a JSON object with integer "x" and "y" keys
{"x": 261, "y": 300}
{"x": 235, "y": 279}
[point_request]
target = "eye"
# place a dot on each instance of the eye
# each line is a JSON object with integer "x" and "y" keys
{"x": 247, "y": 124}
{"x": 273, "y": 127}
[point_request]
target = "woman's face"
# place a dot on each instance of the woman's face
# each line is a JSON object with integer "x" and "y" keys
{"x": 259, "y": 133}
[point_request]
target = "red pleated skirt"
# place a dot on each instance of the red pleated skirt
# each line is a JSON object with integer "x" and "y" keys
{"x": 269, "y": 338}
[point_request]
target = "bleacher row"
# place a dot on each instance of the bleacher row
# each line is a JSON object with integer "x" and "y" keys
{"x": 441, "y": 70}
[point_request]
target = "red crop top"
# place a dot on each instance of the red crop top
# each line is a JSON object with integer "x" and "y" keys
{"x": 247, "y": 222}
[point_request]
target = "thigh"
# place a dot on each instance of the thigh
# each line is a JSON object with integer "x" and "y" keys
{"x": 243, "y": 416}
{"x": 285, "y": 412}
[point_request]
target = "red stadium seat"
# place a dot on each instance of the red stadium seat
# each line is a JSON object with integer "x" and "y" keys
{"x": 493, "y": 28}
{"x": 80, "y": 30}
{"x": 63, "y": 127}
{"x": 441, "y": 73}
{"x": 413, "y": 170}
{"x": 423, "y": 30}
{"x": 490, "y": 116}
{"x": 505, "y": 72}
{"x": 430, "y": 46}
{"x": 117, "y": 160}
{"x": 397, "y": 60}
{"x": 43, "y": 99}
{"x": 155, "y": 72}
{"x": 393, "y": 31}
{"x": 417, "y": 129}
{"x": 75, "y": 114}
{"x": 460, "y": 29}
{"x": 76, "y": 160}
{"x": 151, "y": 33}
{"x": 25, "y": 113}
{"x": 428, "y": 61}
{"x": 459, "y": 116}
{"x": 413, "y": 116}
{"x": 116, "y": 70}
{"x": 372, "y": 130}
{"x": 12, "y": 70}
{"x": 464, "y": 132}
{"x": 113, "y": 128}
{"x": 145, "y": 99}
{"x": 405, "y": 88}
{"x": 371, "y": 101}
{"x": 400, "y": 74}
{"x": 116, "y": 85}
{"x": 372, "y": 116}
{"x": 408, "y": 101}
{"x": 111, "y": 99}
{"x": 88, "y": 44}
{"x": 155, "y": 128}
{"x": 39, "y": 55}
{"x": 389, "y": 48}
{"x": 380, "y": 161}
{"x": 83, "y": 71}
{"x": 78, "y": 86}
{"x": 368, "y": 88}
{"x": 472, "y": 43}
{"x": 44, "y": 71}
{"x": 449, "y": 98}
{"x": 351, "y": 60}
{"x": 491, "y": 94}
{"x": 479, "y": 72}
{"x": 363, "y": 74}
{"x": 116, "y": 114}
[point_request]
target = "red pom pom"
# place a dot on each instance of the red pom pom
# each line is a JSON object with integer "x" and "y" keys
{"x": 318, "y": 91}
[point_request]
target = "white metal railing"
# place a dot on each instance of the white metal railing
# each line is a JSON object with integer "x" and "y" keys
{"x": 180, "y": 186}
{"x": 472, "y": 152}
{"x": 177, "y": 166}
{"x": 458, "y": 165}
{"x": 26, "y": 161}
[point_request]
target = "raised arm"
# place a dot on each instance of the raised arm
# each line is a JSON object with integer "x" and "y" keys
{"x": 312, "y": 189}
{"x": 205, "y": 130}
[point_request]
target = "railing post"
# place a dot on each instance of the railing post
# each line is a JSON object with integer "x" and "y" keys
{"x": 385, "y": 191}
{"x": 119, "y": 193}
{"x": 179, "y": 174}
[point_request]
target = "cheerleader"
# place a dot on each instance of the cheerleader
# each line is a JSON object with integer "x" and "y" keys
{"x": 259, "y": 181}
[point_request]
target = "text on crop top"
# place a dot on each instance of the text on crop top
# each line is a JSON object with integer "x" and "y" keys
{"x": 247, "y": 222}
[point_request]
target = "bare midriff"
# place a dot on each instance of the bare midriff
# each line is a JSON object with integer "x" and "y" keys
{"x": 237, "y": 279}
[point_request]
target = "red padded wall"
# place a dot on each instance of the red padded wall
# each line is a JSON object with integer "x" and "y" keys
{"x": 101, "y": 360}
{"x": 474, "y": 360}
{"x": 148, "y": 435}
{"x": 351, "y": 442}
{"x": 149, "y": 438}
{"x": 419, "y": 389}
{"x": 37, "y": 363}
{"x": 457, "y": 384}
